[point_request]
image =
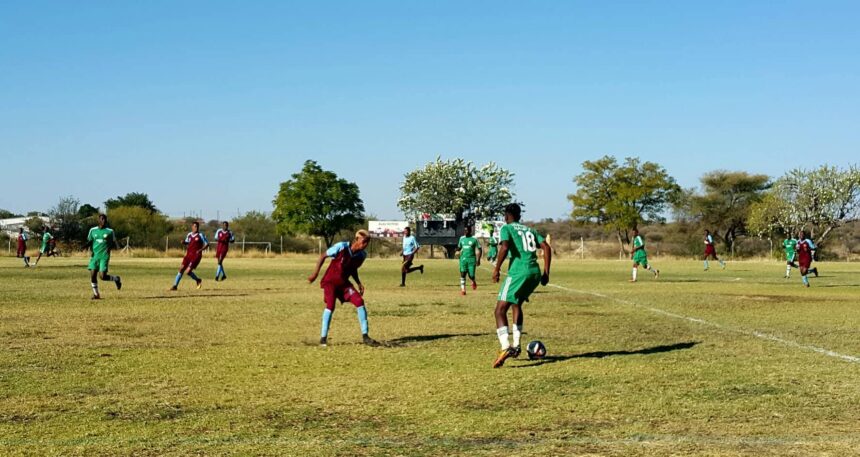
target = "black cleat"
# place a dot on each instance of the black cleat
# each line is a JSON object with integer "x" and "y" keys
{"x": 515, "y": 351}
{"x": 96, "y": 297}
{"x": 422, "y": 269}
{"x": 369, "y": 341}
{"x": 815, "y": 272}
{"x": 223, "y": 277}
{"x": 323, "y": 341}
{"x": 118, "y": 283}
{"x": 173, "y": 288}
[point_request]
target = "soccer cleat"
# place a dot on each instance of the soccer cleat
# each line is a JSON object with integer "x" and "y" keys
{"x": 369, "y": 341}
{"x": 503, "y": 355}
{"x": 96, "y": 297}
{"x": 631, "y": 280}
{"x": 815, "y": 272}
{"x": 173, "y": 288}
{"x": 656, "y": 274}
{"x": 323, "y": 341}
{"x": 706, "y": 269}
{"x": 402, "y": 285}
{"x": 474, "y": 285}
{"x": 199, "y": 284}
{"x": 462, "y": 292}
{"x": 217, "y": 278}
{"x": 223, "y": 277}
{"x": 723, "y": 265}
{"x": 515, "y": 351}
{"x": 422, "y": 269}
{"x": 118, "y": 283}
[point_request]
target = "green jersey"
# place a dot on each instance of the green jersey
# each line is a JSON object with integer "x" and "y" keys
{"x": 467, "y": 247}
{"x": 102, "y": 240}
{"x": 45, "y": 238}
{"x": 790, "y": 246}
{"x": 522, "y": 244}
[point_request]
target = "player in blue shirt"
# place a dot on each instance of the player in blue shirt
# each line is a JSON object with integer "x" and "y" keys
{"x": 711, "y": 251}
{"x": 410, "y": 248}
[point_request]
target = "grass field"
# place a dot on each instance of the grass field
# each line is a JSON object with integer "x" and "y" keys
{"x": 727, "y": 362}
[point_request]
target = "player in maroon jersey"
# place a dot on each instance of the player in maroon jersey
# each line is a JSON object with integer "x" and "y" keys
{"x": 805, "y": 251}
{"x": 224, "y": 236}
{"x": 22, "y": 247}
{"x": 196, "y": 243}
{"x": 346, "y": 258}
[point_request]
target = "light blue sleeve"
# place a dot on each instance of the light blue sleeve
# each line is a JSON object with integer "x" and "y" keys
{"x": 335, "y": 248}
{"x": 232, "y": 238}
{"x": 188, "y": 238}
{"x": 203, "y": 237}
{"x": 811, "y": 244}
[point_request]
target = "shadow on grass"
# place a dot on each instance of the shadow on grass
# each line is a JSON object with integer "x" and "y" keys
{"x": 404, "y": 340}
{"x": 170, "y": 297}
{"x": 601, "y": 354}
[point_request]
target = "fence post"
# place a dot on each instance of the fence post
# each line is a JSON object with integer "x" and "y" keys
{"x": 282, "y": 244}
{"x": 581, "y": 248}
{"x": 243, "y": 244}
{"x": 166, "y": 243}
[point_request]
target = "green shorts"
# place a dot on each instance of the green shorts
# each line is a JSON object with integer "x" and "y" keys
{"x": 468, "y": 267}
{"x": 517, "y": 287}
{"x": 43, "y": 249}
{"x": 492, "y": 253}
{"x": 641, "y": 258}
{"x": 99, "y": 263}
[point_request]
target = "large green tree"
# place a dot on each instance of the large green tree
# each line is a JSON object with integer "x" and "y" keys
{"x": 724, "y": 204}
{"x": 456, "y": 187}
{"x": 818, "y": 200}
{"x": 620, "y": 196}
{"x": 67, "y": 222}
{"x": 317, "y": 202}
{"x": 138, "y": 199}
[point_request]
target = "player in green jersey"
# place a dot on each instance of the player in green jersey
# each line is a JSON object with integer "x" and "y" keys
{"x": 524, "y": 275}
{"x": 492, "y": 247}
{"x": 790, "y": 246}
{"x": 101, "y": 240}
{"x": 470, "y": 258}
{"x": 45, "y": 248}
{"x": 640, "y": 257}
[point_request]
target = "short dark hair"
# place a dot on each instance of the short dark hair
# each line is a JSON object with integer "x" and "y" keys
{"x": 195, "y": 223}
{"x": 514, "y": 210}
{"x": 407, "y": 229}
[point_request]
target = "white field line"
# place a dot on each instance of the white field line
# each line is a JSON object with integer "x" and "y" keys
{"x": 754, "y": 333}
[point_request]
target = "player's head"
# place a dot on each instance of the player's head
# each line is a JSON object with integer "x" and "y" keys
{"x": 635, "y": 231}
{"x": 102, "y": 220}
{"x": 195, "y": 226}
{"x": 20, "y": 229}
{"x": 361, "y": 240}
{"x": 512, "y": 212}
{"x": 707, "y": 232}
{"x": 468, "y": 230}
{"x": 225, "y": 224}
{"x": 407, "y": 231}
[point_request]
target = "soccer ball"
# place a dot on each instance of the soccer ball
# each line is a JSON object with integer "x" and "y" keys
{"x": 536, "y": 350}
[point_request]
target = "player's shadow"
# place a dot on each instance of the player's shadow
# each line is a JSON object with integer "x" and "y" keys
{"x": 602, "y": 354}
{"x": 405, "y": 340}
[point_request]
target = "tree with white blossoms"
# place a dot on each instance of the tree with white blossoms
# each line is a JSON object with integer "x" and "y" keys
{"x": 456, "y": 187}
{"x": 817, "y": 200}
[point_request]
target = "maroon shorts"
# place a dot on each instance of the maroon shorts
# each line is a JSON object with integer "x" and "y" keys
{"x": 220, "y": 253}
{"x": 344, "y": 293}
{"x": 804, "y": 261}
{"x": 191, "y": 261}
{"x": 21, "y": 251}
{"x": 710, "y": 251}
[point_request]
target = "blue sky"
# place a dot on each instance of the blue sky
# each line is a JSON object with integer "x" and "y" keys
{"x": 208, "y": 106}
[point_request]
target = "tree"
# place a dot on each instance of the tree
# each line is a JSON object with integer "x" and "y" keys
{"x": 138, "y": 199}
{"x": 66, "y": 220}
{"x": 724, "y": 205}
{"x": 456, "y": 187}
{"x": 6, "y": 214}
{"x": 143, "y": 227}
{"x": 317, "y": 202}
{"x": 817, "y": 200}
{"x": 86, "y": 210}
{"x": 255, "y": 226}
{"x": 621, "y": 196}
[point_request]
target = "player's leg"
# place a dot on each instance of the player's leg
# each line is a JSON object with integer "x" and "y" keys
{"x": 462, "y": 280}
{"x": 501, "y": 314}
{"x": 705, "y": 260}
{"x": 404, "y": 269}
{"x": 635, "y": 271}
{"x": 182, "y": 268}
{"x": 329, "y": 297}
{"x": 36, "y": 263}
{"x": 351, "y": 295}
{"x": 788, "y": 266}
{"x": 94, "y": 281}
{"x": 103, "y": 266}
{"x": 804, "y": 270}
{"x": 517, "y": 315}
{"x": 471, "y": 271}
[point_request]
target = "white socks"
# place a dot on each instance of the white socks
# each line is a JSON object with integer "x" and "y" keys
{"x": 463, "y": 284}
{"x": 635, "y": 270}
{"x": 518, "y": 330}
{"x": 502, "y": 332}
{"x": 95, "y": 288}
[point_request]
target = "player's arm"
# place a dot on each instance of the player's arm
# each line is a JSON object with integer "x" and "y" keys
{"x": 547, "y": 261}
{"x": 232, "y": 238}
{"x": 320, "y": 262}
{"x": 205, "y": 243}
{"x": 480, "y": 254}
{"x": 88, "y": 246}
{"x": 500, "y": 258}
{"x": 354, "y": 276}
